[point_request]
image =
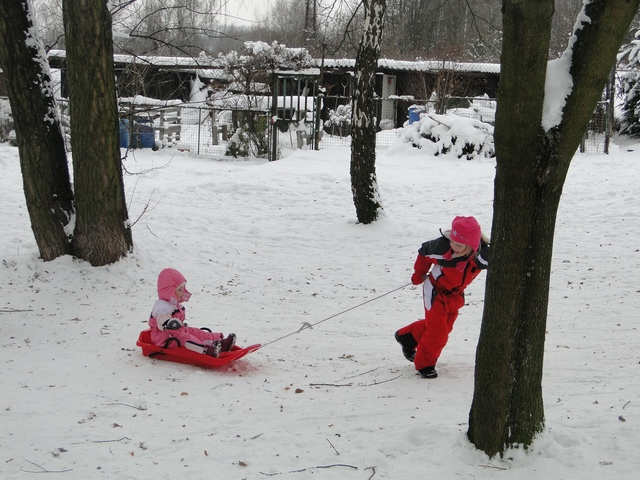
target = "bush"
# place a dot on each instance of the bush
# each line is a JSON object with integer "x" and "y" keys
{"x": 238, "y": 145}
{"x": 339, "y": 121}
{"x": 451, "y": 134}
{"x": 630, "y": 122}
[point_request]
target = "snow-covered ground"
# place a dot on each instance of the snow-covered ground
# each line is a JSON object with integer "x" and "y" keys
{"x": 268, "y": 246}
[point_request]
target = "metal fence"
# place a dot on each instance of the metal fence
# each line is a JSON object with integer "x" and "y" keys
{"x": 203, "y": 130}
{"x": 6, "y": 120}
{"x": 397, "y": 113}
{"x": 597, "y": 135}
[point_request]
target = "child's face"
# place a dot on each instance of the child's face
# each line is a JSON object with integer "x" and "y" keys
{"x": 459, "y": 248}
{"x": 182, "y": 294}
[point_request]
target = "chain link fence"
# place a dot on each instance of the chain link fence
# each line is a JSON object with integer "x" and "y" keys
{"x": 7, "y": 133}
{"x": 396, "y": 112}
{"x": 203, "y": 130}
{"x": 596, "y": 137}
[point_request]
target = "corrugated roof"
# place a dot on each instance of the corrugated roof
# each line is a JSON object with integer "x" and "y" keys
{"x": 346, "y": 63}
{"x": 416, "y": 66}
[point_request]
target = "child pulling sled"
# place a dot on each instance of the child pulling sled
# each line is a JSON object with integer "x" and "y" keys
{"x": 445, "y": 265}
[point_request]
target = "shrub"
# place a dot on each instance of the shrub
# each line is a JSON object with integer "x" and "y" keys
{"x": 339, "y": 121}
{"x": 451, "y": 134}
{"x": 238, "y": 145}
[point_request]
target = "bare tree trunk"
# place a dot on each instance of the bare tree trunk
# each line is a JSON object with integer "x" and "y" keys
{"x": 532, "y": 164}
{"x": 43, "y": 160}
{"x": 364, "y": 186}
{"x": 102, "y": 234}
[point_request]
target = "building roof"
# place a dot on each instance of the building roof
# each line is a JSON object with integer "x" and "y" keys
{"x": 207, "y": 67}
{"x": 416, "y": 66}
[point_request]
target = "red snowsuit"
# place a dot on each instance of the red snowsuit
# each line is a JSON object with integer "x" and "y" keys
{"x": 445, "y": 279}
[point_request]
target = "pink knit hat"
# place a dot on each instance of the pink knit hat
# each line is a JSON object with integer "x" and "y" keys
{"x": 466, "y": 230}
{"x": 168, "y": 280}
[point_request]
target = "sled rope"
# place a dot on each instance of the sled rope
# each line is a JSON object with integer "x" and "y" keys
{"x": 306, "y": 325}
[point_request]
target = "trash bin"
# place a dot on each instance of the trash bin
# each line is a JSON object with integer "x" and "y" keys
{"x": 414, "y": 113}
{"x": 145, "y": 136}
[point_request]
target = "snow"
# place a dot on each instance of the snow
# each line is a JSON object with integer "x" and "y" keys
{"x": 559, "y": 82}
{"x": 34, "y": 43}
{"x": 417, "y": 66}
{"x": 450, "y": 134}
{"x": 142, "y": 100}
{"x": 268, "y": 246}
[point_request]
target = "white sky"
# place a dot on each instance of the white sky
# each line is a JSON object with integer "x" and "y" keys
{"x": 245, "y": 12}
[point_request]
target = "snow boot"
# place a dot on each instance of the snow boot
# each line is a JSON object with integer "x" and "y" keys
{"x": 408, "y": 345}
{"x": 428, "y": 372}
{"x": 214, "y": 349}
{"x": 229, "y": 342}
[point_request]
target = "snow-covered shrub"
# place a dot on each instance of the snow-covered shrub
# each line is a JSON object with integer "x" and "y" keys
{"x": 238, "y": 145}
{"x": 630, "y": 122}
{"x": 481, "y": 108}
{"x": 451, "y": 134}
{"x": 629, "y": 57}
{"x": 339, "y": 121}
{"x": 6, "y": 120}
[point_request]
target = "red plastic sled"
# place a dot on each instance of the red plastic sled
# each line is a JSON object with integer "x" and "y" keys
{"x": 183, "y": 355}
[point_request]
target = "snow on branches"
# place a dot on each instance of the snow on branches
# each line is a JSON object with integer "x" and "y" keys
{"x": 629, "y": 64}
{"x": 451, "y": 135}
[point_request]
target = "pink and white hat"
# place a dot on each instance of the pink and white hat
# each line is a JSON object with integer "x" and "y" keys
{"x": 168, "y": 280}
{"x": 466, "y": 230}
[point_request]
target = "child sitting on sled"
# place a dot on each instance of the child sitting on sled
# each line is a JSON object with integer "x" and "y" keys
{"x": 446, "y": 266}
{"x": 167, "y": 321}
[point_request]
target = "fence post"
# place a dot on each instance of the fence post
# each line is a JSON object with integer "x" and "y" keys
{"x": 214, "y": 127}
{"x": 199, "y": 127}
{"x": 162, "y": 127}
{"x": 179, "y": 123}
{"x": 274, "y": 116}
{"x": 131, "y": 136}
{"x": 608, "y": 117}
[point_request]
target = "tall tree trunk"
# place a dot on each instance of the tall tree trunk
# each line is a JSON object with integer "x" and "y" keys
{"x": 102, "y": 234}
{"x": 43, "y": 161}
{"x": 364, "y": 185}
{"x": 532, "y": 164}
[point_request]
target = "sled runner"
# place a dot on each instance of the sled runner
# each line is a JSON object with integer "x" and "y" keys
{"x": 184, "y": 355}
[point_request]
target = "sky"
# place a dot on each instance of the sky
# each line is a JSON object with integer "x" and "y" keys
{"x": 247, "y": 12}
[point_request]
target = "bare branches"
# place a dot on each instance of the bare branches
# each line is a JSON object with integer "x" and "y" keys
{"x": 311, "y": 468}
{"x": 346, "y": 28}
{"x": 373, "y": 471}
{"x": 41, "y": 469}
{"x": 334, "y": 448}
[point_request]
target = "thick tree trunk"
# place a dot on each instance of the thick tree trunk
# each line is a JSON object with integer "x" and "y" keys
{"x": 532, "y": 164}
{"x": 364, "y": 185}
{"x": 43, "y": 161}
{"x": 102, "y": 233}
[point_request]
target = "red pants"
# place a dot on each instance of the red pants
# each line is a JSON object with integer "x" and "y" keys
{"x": 432, "y": 333}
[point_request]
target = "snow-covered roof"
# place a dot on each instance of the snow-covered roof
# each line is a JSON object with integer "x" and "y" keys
{"x": 303, "y": 72}
{"x": 211, "y": 68}
{"x": 415, "y": 66}
{"x": 141, "y": 100}
{"x": 155, "y": 60}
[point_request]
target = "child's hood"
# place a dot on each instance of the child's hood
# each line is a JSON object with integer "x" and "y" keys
{"x": 168, "y": 280}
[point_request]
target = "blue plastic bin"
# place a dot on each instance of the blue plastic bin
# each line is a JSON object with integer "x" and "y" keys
{"x": 142, "y": 135}
{"x": 414, "y": 114}
{"x": 144, "y": 132}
